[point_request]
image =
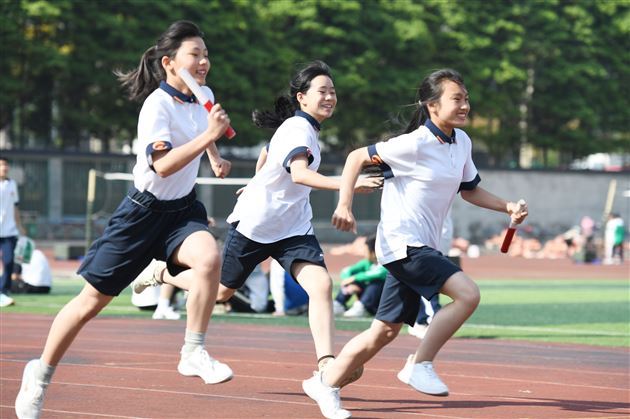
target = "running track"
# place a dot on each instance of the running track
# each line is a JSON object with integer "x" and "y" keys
{"x": 124, "y": 368}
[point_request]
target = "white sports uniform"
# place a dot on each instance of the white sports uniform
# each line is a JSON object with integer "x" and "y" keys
{"x": 423, "y": 173}
{"x": 272, "y": 207}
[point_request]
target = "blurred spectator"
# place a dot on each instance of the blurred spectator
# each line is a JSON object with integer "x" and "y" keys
{"x": 10, "y": 228}
{"x": 614, "y": 235}
{"x": 34, "y": 277}
{"x": 364, "y": 279}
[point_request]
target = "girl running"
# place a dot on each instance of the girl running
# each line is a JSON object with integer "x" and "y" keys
{"x": 159, "y": 218}
{"x": 424, "y": 169}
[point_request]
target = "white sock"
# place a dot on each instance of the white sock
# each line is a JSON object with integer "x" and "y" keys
{"x": 45, "y": 372}
{"x": 192, "y": 340}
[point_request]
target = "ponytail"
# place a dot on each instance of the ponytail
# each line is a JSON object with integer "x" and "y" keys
{"x": 284, "y": 108}
{"x": 141, "y": 81}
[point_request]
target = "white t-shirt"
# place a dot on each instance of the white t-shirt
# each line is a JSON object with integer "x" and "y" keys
{"x": 272, "y": 207}
{"x": 166, "y": 122}
{"x": 423, "y": 173}
{"x": 37, "y": 271}
{"x": 9, "y": 198}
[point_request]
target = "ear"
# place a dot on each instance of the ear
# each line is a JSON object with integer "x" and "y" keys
{"x": 299, "y": 96}
{"x": 166, "y": 62}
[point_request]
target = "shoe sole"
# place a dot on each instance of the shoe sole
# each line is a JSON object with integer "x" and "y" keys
{"x": 443, "y": 394}
{"x": 189, "y": 373}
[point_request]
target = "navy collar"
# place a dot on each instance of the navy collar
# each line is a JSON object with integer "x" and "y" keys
{"x": 441, "y": 136}
{"x": 309, "y": 118}
{"x": 177, "y": 95}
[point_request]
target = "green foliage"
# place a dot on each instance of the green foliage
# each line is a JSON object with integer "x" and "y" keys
{"x": 550, "y": 74}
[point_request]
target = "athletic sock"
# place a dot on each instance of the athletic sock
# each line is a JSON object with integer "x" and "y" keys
{"x": 192, "y": 340}
{"x": 45, "y": 372}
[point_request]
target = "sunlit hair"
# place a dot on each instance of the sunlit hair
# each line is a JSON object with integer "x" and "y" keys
{"x": 286, "y": 105}
{"x": 144, "y": 79}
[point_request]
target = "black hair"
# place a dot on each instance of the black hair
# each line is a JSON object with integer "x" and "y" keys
{"x": 286, "y": 105}
{"x": 429, "y": 91}
{"x": 2, "y": 158}
{"x": 370, "y": 242}
{"x": 144, "y": 79}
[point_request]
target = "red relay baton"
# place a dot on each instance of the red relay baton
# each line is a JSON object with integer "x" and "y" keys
{"x": 509, "y": 234}
{"x": 202, "y": 97}
{"x": 507, "y": 240}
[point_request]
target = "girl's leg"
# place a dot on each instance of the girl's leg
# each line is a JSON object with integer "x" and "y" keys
{"x": 198, "y": 251}
{"x": 67, "y": 324}
{"x": 360, "y": 350}
{"x": 69, "y": 321}
{"x": 318, "y": 285}
{"x": 465, "y": 295}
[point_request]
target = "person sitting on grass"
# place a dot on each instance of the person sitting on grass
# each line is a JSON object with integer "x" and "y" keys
{"x": 363, "y": 279}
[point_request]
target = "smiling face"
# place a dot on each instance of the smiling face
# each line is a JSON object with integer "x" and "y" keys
{"x": 191, "y": 55}
{"x": 320, "y": 99}
{"x": 451, "y": 110}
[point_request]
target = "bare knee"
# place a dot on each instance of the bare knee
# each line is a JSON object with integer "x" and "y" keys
{"x": 385, "y": 333}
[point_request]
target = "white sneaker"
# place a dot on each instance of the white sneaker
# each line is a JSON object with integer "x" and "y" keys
{"x": 143, "y": 282}
{"x": 327, "y": 397}
{"x": 199, "y": 363}
{"x": 338, "y": 308}
{"x": 30, "y": 399}
{"x": 424, "y": 379}
{"x": 418, "y": 330}
{"x": 166, "y": 313}
{"x": 357, "y": 310}
{"x": 5, "y": 300}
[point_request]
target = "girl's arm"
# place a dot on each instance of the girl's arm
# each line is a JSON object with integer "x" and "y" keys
{"x": 171, "y": 161}
{"x": 220, "y": 166}
{"x": 301, "y": 174}
{"x": 484, "y": 199}
{"x": 342, "y": 218}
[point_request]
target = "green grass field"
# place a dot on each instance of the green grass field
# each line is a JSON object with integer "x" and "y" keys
{"x": 592, "y": 312}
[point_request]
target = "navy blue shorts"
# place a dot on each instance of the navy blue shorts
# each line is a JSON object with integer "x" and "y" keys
{"x": 422, "y": 273}
{"x": 141, "y": 229}
{"x": 241, "y": 255}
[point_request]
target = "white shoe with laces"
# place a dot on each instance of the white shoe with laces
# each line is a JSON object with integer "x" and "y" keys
{"x": 422, "y": 377}
{"x": 199, "y": 363}
{"x": 165, "y": 313}
{"x": 143, "y": 282}
{"x": 327, "y": 397}
{"x": 30, "y": 399}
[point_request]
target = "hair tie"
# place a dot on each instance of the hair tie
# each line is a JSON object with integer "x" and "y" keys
{"x": 420, "y": 102}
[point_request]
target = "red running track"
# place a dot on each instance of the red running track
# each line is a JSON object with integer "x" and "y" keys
{"x": 126, "y": 368}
